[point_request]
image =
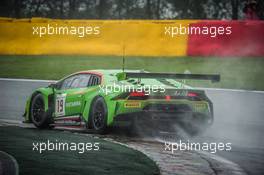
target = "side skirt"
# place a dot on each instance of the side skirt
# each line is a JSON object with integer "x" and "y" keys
{"x": 69, "y": 122}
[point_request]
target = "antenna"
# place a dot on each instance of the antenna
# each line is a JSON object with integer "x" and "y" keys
{"x": 123, "y": 66}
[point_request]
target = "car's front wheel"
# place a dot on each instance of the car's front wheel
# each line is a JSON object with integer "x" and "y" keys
{"x": 39, "y": 117}
{"x": 98, "y": 116}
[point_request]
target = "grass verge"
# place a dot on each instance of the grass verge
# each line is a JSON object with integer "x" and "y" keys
{"x": 110, "y": 159}
{"x": 237, "y": 73}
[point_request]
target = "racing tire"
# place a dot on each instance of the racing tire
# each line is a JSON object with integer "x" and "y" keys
{"x": 38, "y": 116}
{"x": 98, "y": 116}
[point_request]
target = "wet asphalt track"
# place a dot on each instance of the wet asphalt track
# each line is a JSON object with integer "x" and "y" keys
{"x": 239, "y": 119}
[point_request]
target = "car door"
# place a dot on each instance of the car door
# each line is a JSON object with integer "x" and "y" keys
{"x": 69, "y": 97}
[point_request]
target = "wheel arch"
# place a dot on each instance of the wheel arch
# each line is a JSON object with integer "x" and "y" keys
{"x": 45, "y": 93}
{"x": 110, "y": 105}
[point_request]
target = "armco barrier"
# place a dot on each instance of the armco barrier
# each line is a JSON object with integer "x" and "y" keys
{"x": 144, "y": 38}
{"x": 136, "y": 37}
{"x": 247, "y": 39}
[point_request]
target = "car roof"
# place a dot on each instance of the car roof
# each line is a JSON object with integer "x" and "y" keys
{"x": 108, "y": 76}
{"x": 109, "y": 71}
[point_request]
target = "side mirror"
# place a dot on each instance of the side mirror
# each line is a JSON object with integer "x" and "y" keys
{"x": 53, "y": 85}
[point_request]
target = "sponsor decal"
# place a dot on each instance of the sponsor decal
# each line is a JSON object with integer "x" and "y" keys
{"x": 73, "y": 104}
{"x": 133, "y": 104}
{"x": 181, "y": 93}
{"x": 199, "y": 106}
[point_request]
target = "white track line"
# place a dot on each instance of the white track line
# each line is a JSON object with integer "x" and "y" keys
{"x": 26, "y": 80}
{"x": 202, "y": 88}
{"x": 11, "y": 121}
{"x": 231, "y": 90}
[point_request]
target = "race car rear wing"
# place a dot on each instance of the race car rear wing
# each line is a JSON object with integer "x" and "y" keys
{"x": 212, "y": 77}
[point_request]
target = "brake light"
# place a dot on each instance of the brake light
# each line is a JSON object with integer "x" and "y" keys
{"x": 137, "y": 94}
{"x": 167, "y": 97}
{"x": 192, "y": 94}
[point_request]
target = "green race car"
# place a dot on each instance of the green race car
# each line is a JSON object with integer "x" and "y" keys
{"x": 97, "y": 99}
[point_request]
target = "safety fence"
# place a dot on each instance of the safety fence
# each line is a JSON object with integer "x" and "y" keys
{"x": 40, "y": 36}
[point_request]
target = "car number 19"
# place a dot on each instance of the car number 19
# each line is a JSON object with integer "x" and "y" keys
{"x": 60, "y": 105}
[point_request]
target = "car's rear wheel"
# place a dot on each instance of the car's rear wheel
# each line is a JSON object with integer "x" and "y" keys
{"x": 39, "y": 117}
{"x": 98, "y": 116}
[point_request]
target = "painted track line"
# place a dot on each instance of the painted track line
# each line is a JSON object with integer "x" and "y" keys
{"x": 26, "y": 80}
{"x": 230, "y": 90}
